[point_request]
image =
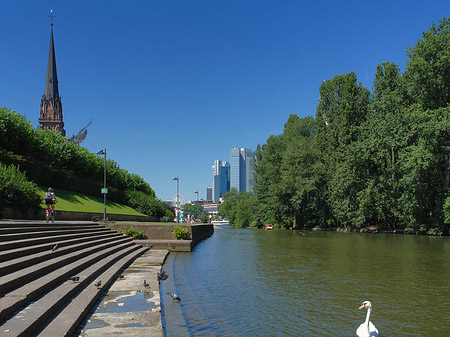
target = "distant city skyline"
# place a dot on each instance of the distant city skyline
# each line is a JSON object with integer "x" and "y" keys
{"x": 237, "y": 173}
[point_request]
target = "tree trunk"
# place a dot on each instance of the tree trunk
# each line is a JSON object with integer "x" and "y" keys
{"x": 394, "y": 192}
{"x": 295, "y": 223}
{"x": 446, "y": 178}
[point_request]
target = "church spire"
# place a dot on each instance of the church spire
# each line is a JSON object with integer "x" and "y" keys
{"x": 51, "y": 82}
{"x": 51, "y": 117}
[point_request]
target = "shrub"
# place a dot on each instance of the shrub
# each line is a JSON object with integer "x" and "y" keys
{"x": 180, "y": 233}
{"x": 145, "y": 203}
{"x": 135, "y": 233}
{"x": 16, "y": 190}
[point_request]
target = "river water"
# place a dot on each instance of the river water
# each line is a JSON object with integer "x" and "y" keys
{"x": 247, "y": 282}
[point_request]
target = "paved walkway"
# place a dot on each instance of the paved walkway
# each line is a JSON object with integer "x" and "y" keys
{"x": 130, "y": 308}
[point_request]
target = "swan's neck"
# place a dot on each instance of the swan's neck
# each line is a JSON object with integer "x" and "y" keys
{"x": 366, "y": 323}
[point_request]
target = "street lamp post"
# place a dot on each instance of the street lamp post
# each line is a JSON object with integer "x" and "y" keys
{"x": 177, "y": 178}
{"x": 104, "y": 189}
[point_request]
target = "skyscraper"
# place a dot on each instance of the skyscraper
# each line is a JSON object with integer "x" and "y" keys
{"x": 220, "y": 179}
{"x": 209, "y": 193}
{"x": 51, "y": 117}
{"x": 241, "y": 169}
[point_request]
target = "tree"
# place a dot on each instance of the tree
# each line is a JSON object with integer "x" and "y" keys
{"x": 342, "y": 108}
{"x": 195, "y": 209}
{"x": 428, "y": 68}
{"x": 301, "y": 172}
{"x": 271, "y": 208}
{"x": 384, "y": 135}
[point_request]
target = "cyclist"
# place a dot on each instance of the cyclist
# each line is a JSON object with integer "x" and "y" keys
{"x": 50, "y": 199}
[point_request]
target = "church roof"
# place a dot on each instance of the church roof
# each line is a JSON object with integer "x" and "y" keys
{"x": 51, "y": 81}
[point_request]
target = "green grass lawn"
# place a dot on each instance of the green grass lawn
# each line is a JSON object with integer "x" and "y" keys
{"x": 77, "y": 202}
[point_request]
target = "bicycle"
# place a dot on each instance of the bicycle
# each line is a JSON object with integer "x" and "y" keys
{"x": 49, "y": 214}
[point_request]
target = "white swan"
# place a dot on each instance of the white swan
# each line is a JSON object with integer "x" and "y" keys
{"x": 367, "y": 329}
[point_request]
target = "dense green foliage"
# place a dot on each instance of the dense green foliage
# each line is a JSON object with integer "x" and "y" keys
{"x": 180, "y": 233}
{"x": 134, "y": 233}
{"x": 16, "y": 190}
{"x": 144, "y": 203}
{"x": 47, "y": 162}
{"x": 195, "y": 209}
{"x": 379, "y": 158}
{"x": 239, "y": 208}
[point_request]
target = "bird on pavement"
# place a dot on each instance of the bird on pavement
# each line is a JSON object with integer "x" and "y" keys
{"x": 162, "y": 275}
{"x": 98, "y": 283}
{"x": 174, "y": 296}
{"x": 75, "y": 278}
{"x": 149, "y": 245}
{"x": 55, "y": 248}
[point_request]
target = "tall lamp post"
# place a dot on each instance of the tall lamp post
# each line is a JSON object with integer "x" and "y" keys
{"x": 177, "y": 178}
{"x": 104, "y": 189}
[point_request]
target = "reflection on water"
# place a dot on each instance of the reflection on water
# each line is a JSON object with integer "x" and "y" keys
{"x": 243, "y": 282}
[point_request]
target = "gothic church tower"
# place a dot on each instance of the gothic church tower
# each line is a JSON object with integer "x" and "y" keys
{"x": 51, "y": 117}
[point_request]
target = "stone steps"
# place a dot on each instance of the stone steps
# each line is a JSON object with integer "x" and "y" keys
{"x": 35, "y": 284}
{"x": 10, "y": 254}
{"x": 46, "y": 239}
{"x": 70, "y": 317}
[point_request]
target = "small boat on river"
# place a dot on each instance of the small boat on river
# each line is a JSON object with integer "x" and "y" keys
{"x": 220, "y": 222}
{"x": 268, "y": 227}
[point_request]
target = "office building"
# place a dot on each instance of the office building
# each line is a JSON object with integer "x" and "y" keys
{"x": 209, "y": 193}
{"x": 220, "y": 179}
{"x": 241, "y": 169}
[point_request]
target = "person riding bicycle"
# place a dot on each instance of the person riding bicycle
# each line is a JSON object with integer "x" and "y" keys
{"x": 50, "y": 199}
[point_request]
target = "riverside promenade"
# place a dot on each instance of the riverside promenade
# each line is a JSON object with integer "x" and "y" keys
{"x": 130, "y": 308}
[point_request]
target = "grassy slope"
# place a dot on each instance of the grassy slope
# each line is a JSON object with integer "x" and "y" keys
{"x": 73, "y": 201}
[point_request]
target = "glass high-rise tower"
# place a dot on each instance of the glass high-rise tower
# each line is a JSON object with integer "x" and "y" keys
{"x": 221, "y": 179}
{"x": 241, "y": 169}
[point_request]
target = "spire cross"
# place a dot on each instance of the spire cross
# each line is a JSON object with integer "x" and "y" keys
{"x": 51, "y": 16}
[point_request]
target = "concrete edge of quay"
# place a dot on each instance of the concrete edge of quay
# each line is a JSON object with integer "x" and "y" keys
{"x": 132, "y": 305}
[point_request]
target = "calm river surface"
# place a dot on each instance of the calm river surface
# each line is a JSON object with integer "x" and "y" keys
{"x": 246, "y": 282}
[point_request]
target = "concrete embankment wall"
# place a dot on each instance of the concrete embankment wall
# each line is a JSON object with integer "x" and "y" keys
{"x": 162, "y": 237}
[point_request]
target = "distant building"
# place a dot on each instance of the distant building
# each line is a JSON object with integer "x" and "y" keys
{"x": 241, "y": 169}
{"x": 220, "y": 179}
{"x": 51, "y": 116}
{"x": 209, "y": 193}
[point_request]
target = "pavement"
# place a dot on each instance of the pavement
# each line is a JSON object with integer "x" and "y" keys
{"x": 131, "y": 307}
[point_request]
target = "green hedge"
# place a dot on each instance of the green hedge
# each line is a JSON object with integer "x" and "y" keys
{"x": 47, "y": 163}
{"x": 145, "y": 203}
{"x": 16, "y": 190}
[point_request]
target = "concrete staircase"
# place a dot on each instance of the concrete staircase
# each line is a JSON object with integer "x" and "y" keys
{"x": 38, "y": 260}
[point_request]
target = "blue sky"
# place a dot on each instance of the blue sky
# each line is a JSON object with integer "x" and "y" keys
{"x": 172, "y": 85}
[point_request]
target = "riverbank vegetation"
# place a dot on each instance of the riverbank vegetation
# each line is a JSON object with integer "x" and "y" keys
{"x": 368, "y": 158}
{"x": 38, "y": 157}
